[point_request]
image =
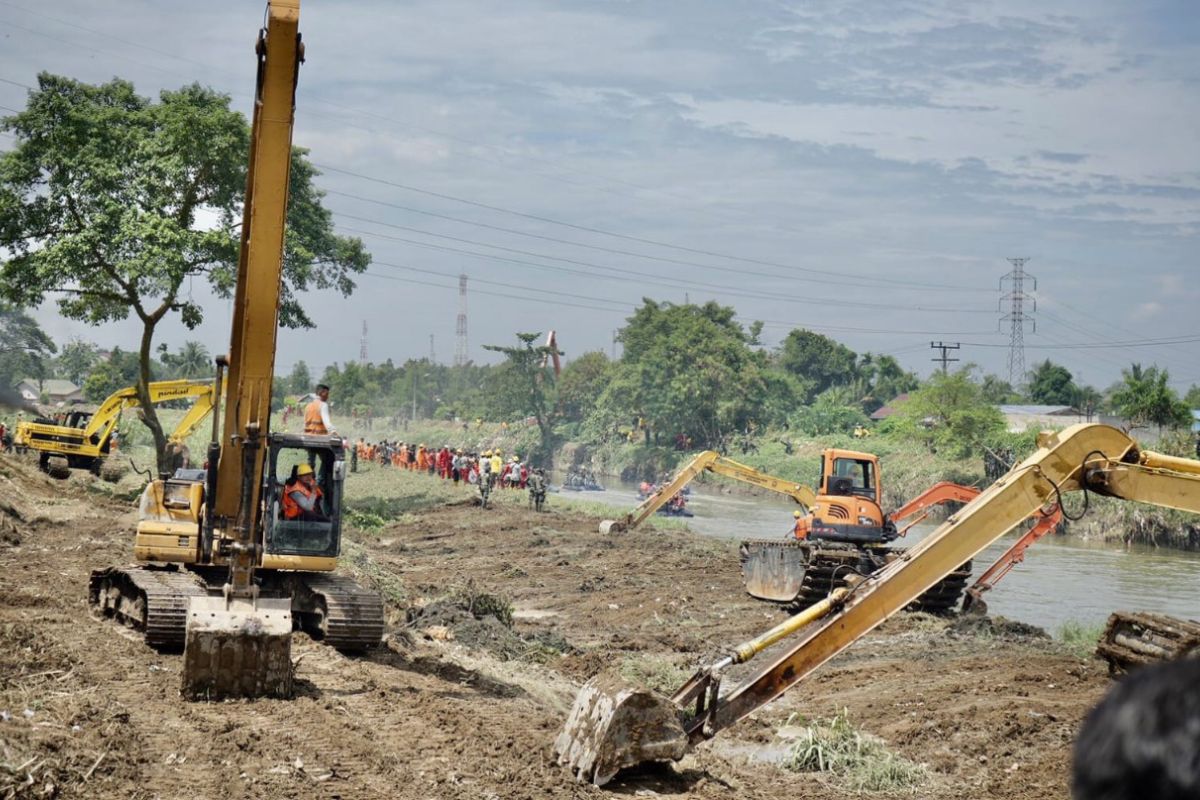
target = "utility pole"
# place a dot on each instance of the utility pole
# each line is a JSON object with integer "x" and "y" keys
{"x": 614, "y": 346}
{"x": 1016, "y": 317}
{"x": 432, "y": 355}
{"x": 945, "y": 348}
{"x": 362, "y": 346}
{"x": 460, "y": 325}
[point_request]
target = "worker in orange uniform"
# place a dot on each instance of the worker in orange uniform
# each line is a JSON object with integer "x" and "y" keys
{"x": 316, "y": 414}
{"x": 302, "y": 497}
{"x": 800, "y": 528}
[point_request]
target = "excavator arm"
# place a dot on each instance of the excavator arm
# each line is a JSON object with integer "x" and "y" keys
{"x": 611, "y": 727}
{"x": 710, "y": 461}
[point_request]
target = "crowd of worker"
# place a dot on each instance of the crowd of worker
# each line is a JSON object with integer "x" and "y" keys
{"x": 447, "y": 463}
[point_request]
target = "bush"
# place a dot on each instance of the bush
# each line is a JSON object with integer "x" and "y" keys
{"x": 1080, "y": 638}
{"x": 861, "y": 759}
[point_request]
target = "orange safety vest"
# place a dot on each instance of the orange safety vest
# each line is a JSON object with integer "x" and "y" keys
{"x": 312, "y": 419}
{"x": 292, "y": 509}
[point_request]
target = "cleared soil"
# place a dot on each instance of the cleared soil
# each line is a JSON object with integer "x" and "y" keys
{"x": 459, "y": 707}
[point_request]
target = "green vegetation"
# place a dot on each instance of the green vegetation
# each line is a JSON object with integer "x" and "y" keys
{"x": 24, "y": 346}
{"x": 861, "y": 761}
{"x": 1079, "y": 638}
{"x": 100, "y": 197}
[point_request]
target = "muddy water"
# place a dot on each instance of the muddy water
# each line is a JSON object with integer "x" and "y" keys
{"x": 1060, "y": 580}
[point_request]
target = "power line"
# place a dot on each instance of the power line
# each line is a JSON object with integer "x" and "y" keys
{"x": 807, "y": 300}
{"x": 638, "y": 239}
{"x": 1099, "y": 345}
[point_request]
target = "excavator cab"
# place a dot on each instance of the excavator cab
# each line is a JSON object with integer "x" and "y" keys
{"x": 303, "y": 538}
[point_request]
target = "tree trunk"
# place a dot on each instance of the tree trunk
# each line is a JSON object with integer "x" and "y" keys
{"x": 149, "y": 414}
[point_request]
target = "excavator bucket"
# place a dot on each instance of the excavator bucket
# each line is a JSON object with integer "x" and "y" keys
{"x": 614, "y": 725}
{"x": 774, "y": 570}
{"x": 237, "y": 648}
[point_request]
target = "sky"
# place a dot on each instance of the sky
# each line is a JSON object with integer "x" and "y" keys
{"x": 860, "y": 169}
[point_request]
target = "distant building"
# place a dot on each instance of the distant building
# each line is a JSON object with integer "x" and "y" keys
{"x": 1021, "y": 418}
{"x": 58, "y": 392}
{"x": 885, "y": 411}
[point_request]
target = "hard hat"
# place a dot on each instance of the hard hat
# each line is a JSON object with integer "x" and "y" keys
{"x": 487, "y": 452}
{"x": 797, "y": 514}
{"x": 514, "y": 458}
{"x": 303, "y": 469}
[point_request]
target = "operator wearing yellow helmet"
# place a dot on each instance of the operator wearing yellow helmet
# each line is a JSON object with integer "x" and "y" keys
{"x": 302, "y": 496}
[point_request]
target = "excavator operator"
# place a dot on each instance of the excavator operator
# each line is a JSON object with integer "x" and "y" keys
{"x": 302, "y": 497}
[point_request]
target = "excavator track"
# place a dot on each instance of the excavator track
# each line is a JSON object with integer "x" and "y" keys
{"x": 153, "y": 600}
{"x": 1134, "y": 640}
{"x": 826, "y": 565}
{"x": 338, "y": 612}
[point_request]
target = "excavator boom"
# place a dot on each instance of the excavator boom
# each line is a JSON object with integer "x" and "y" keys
{"x": 238, "y": 643}
{"x": 1093, "y": 457}
{"x": 711, "y": 461}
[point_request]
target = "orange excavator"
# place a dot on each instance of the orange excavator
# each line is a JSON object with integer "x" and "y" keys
{"x": 614, "y": 725}
{"x": 842, "y": 532}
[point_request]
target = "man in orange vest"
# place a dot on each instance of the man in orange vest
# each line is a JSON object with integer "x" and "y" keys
{"x": 800, "y": 528}
{"x": 316, "y": 414}
{"x": 302, "y": 497}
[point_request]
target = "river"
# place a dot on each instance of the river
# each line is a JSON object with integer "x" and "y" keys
{"x": 1062, "y": 579}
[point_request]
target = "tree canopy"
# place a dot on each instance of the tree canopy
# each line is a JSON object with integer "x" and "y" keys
{"x": 1052, "y": 384}
{"x": 24, "y": 346}
{"x": 1144, "y": 398}
{"x": 818, "y": 360}
{"x": 111, "y": 201}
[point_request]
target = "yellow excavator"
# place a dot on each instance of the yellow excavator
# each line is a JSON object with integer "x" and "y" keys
{"x": 83, "y": 439}
{"x": 614, "y": 725}
{"x": 222, "y": 570}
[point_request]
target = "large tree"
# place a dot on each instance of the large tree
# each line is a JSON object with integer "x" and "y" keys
{"x": 523, "y": 385}
{"x": 819, "y": 360}
{"x": 1052, "y": 384}
{"x": 112, "y": 202}
{"x": 76, "y": 360}
{"x": 581, "y": 382}
{"x": 686, "y": 369}
{"x": 24, "y": 347}
{"x": 1144, "y": 398}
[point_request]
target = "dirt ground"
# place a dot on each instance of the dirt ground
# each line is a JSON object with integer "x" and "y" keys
{"x": 455, "y": 707}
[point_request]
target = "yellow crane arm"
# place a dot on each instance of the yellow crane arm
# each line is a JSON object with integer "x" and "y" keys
{"x": 206, "y": 400}
{"x": 1090, "y": 457}
{"x": 105, "y": 419}
{"x": 711, "y": 461}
